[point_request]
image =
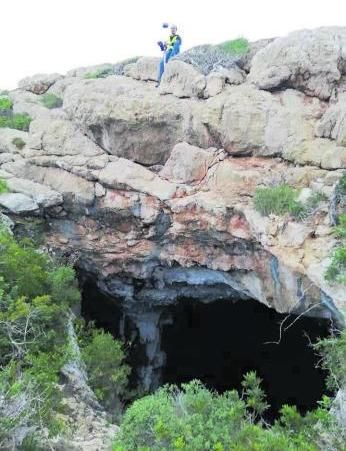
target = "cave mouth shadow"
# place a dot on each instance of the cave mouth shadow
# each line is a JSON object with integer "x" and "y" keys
{"x": 219, "y": 342}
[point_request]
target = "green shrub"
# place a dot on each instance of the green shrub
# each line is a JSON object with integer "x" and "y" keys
{"x": 336, "y": 271}
{"x": 3, "y": 186}
{"x": 278, "y": 200}
{"x": 107, "y": 372}
{"x": 333, "y": 351}
{"x": 236, "y": 47}
{"x": 16, "y": 121}
{"x": 6, "y": 105}
{"x": 51, "y": 101}
{"x": 194, "y": 418}
{"x": 19, "y": 143}
{"x": 100, "y": 73}
{"x": 35, "y": 296}
{"x": 4, "y": 92}
{"x": 342, "y": 184}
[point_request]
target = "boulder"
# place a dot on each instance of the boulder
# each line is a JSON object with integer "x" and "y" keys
{"x": 74, "y": 189}
{"x": 127, "y": 174}
{"x": 18, "y": 203}
{"x": 39, "y": 83}
{"x": 40, "y": 194}
{"x": 182, "y": 80}
{"x": 309, "y": 60}
{"x": 85, "y": 70}
{"x": 128, "y": 119}
{"x": 59, "y": 137}
{"x": 131, "y": 70}
{"x": 7, "y": 137}
{"x": 146, "y": 68}
{"x": 333, "y": 123}
{"x": 187, "y": 163}
{"x": 215, "y": 83}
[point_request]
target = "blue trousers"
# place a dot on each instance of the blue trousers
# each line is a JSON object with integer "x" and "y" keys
{"x": 168, "y": 55}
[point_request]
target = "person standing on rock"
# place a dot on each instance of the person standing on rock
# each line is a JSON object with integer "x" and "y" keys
{"x": 170, "y": 48}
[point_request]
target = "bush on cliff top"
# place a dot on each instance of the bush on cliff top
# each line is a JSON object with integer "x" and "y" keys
{"x": 236, "y": 47}
{"x": 278, "y": 200}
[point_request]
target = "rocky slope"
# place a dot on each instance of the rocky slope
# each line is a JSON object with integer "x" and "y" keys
{"x": 151, "y": 190}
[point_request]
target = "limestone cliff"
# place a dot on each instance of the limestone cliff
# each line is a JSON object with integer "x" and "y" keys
{"x": 152, "y": 189}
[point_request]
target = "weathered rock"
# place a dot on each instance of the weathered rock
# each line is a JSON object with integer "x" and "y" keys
{"x": 245, "y": 61}
{"x": 40, "y": 83}
{"x": 73, "y": 188}
{"x": 146, "y": 68}
{"x": 187, "y": 163}
{"x": 41, "y": 194}
{"x": 333, "y": 123}
{"x": 128, "y": 119}
{"x": 310, "y": 60}
{"x": 18, "y": 203}
{"x": 7, "y": 136}
{"x": 215, "y": 83}
{"x": 182, "y": 80}
{"x": 28, "y": 103}
{"x": 85, "y": 70}
{"x": 124, "y": 173}
{"x": 59, "y": 137}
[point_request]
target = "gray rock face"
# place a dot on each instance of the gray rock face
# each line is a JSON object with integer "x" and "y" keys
{"x": 18, "y": 203}
{"x": 309, "y": 60}
{"x": 127, "y": 119}
{"x": 188, "y": 164}
{"x": 145, "y": 68}
{"x": 182, "y": 80}
{"x": 40, "y": 83}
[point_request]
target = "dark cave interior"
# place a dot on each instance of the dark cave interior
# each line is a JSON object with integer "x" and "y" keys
{"x": 218, "y": 342}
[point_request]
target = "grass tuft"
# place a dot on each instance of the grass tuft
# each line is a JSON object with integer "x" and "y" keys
{"x": 236, "y": 47}
{"x": 51, "y": 101}
{"x": 278, "y": 200}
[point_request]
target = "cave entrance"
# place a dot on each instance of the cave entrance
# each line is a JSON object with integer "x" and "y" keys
{"x": 219, "y": 342}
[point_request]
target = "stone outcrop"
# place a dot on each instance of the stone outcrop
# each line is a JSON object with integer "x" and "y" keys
{"x": 152, "y": 189}
{"x": 310, "y": 60}
{"x": 40, "y": 83}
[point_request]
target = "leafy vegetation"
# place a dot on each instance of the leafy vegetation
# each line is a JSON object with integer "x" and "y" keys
{"x": 10, "y": 120}
{"x": 236, "y": 47}
{"x": 19, "y": 143}
{"x": 195, "y": 418}
{"x": 3, "y": 186}
{"x": 337, "y": 269}
{"x": 104, "y": 359}
{"x": 51, "y": 101}
{"x": 333, "y": 351}
{"x": 278, "y": 200}
{"x": 35, "y": 296}
{"x": 100, "y": 73}
{"x": 5, "y": 105}
{"x": 16, "y": 121}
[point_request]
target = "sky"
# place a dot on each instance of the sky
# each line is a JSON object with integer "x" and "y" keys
{"x": 44, "y": 36}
